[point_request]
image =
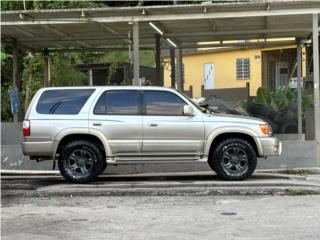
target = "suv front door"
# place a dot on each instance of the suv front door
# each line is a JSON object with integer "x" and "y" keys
{"x": 166, "y": 130}
{"x": 117, "y": 115}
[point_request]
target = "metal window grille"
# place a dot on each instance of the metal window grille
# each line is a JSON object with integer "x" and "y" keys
{"x": 243, "y": 68}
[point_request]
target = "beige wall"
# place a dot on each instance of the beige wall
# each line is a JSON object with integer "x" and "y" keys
{"x": 224, "y": 69}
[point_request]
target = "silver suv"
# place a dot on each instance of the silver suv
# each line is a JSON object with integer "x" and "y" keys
{"x": 87, "y": 128}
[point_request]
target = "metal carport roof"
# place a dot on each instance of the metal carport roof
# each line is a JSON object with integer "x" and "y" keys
{"x": 186, "y": 25}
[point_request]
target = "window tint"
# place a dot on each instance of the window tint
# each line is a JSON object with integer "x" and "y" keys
{"x": 162, "y": 103}
{"x": 118, "y": 102}
{"x": 64, "y": 101}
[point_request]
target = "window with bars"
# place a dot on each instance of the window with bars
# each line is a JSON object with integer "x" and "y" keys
{"x": 243, "y": 68}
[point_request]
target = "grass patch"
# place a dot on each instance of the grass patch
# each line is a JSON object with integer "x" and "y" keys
{"x": 302, "y": 171}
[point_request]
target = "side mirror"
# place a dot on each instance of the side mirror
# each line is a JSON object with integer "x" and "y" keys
{"x": 187, "y": 110}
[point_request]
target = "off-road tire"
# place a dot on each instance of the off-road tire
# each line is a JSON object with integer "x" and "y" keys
{"x": 96, "y": 158}
{"x": 217, "y": 159}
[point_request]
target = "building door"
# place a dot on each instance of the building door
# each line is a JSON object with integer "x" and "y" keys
{"x": 281, "y": 74}
{"x": 208, "y": 76}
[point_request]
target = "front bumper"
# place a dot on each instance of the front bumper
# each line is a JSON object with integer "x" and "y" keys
{"x": 270, "y": 146}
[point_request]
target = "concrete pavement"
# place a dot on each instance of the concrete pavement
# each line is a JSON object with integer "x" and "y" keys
{"x": 162, "y": 217}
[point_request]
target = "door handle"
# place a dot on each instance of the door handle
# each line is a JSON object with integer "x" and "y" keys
{"x": 96, "y": 124}
{"x": 153, "y": 124}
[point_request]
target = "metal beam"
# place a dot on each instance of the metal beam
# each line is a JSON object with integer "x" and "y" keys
{"x": 90, "y": 77}
{"x": 316, "y": 73}
{"x": 166, "y": 17}
{"x": 136, "y": 55}
{"x": 179, "y": 69}
{"x": 67, "y": 37}
{"x": 239, "y": 44}
{"x": 98, "y": 49}
{"x": 173, "y": 67}
{"x": 184, "y": 46}
{"x": 299, "y": 89}
{"x": 47, "y": 68}
{"x": 238, "y": 32}
{"x": 158, "y": 61}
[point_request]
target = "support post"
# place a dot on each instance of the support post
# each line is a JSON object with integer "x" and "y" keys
{"x": 179, "y": 69}
{"x": 299, "y": 89}
{"x": 15, "y": 73}
{"x": 47, "y": 68}
{"x": 315, "y": 43}
{"x": 158, "y": 61}
{"x": 90, "y": 77}
{"x": 136, "y": 57}
{"x": 173, "y": 67}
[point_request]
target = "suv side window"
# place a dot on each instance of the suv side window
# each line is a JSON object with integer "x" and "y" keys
{"x": 162, "y": 103}
{"x": 118, "y": 102}
{"x": 63, "y": 101}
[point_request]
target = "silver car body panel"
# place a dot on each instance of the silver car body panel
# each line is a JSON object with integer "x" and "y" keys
{"x": 141, "y": 138}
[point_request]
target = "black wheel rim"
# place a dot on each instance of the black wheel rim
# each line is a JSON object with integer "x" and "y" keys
{"x": 235, "y": 161}
{"x": 79, "y": 163}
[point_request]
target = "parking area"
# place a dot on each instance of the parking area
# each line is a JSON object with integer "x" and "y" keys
{"x": 162, "y": 217}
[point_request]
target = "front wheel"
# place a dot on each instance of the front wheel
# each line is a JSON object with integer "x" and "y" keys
{"x": 233, "y": 159}
{"x": 81, "y": 161}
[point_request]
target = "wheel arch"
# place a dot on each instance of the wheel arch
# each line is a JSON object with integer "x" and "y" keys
{"x": 217, "y": 137}
{"x": 92, "y": 137}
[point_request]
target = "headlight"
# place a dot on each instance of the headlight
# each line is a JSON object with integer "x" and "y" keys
{"x": 266, "y": 129}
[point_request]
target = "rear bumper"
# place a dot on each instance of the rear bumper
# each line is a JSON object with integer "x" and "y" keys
{"x": 37, "y": 149}
{"x": 270, "y": 146}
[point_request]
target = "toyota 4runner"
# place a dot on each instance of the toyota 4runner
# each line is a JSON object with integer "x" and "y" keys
{"x": 87, "y": 128}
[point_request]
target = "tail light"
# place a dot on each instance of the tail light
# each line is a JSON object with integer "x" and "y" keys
{"x": 26, "y": 128}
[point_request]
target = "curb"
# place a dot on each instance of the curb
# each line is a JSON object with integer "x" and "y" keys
{"x": 165, "y": 184}
{"x": 186, "y": 191}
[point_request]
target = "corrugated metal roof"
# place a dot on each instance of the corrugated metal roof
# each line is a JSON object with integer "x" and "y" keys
{"x": 184, "y": 24}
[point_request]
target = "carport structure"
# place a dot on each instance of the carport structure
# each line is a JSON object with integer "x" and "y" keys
{"x": 174, "y": 27}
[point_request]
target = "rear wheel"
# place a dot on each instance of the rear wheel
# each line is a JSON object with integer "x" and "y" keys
{"x": 81, "y": 161}
{"x": 233, "y": 159}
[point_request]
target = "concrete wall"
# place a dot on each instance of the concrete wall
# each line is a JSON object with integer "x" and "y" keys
{"x": 296, "y": 154}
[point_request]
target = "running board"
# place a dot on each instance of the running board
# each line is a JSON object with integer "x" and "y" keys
{"x": 151, "y": 159}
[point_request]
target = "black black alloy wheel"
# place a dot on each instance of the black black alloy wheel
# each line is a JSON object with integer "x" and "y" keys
{"x": 81, "y": 161}
{"x": 233, "y": 159}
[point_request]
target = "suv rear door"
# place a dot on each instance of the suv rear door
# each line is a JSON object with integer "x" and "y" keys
{"x": 166, "y": 130}
{"x": 117, "y": 115}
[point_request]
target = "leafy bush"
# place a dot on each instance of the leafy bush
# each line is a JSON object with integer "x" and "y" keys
{"x": 282, "y": 97}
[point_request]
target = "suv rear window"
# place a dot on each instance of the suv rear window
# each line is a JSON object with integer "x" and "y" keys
{"x": 64, "y": 101}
